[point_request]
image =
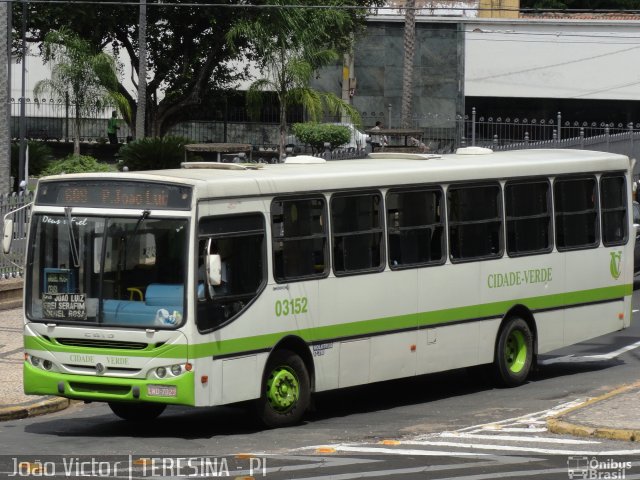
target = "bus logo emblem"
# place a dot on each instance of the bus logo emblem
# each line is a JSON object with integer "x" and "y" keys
{"x": 99, "y": 368}
{"x": 614, "y": 264}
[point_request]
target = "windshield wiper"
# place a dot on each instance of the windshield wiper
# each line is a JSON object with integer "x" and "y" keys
{"x": 144, "y": 216}
{"x": 75, "y": 255}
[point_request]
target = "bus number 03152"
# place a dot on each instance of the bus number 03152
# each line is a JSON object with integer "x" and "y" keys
{"x": 293, "y": 306}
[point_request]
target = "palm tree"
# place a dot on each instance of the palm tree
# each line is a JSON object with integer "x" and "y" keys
{"x": 5, "y": 153}
{"x": 409, "y": 54}
{"x": 89, "y": 79}
{"x": 287, "y": 45}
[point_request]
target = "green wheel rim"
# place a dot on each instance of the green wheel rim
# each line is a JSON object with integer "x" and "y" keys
{"x": 283, "y": 389}
{"x": 515, "y": 352}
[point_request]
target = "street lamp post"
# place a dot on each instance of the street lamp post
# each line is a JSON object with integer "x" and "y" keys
{"x": 23, "y": 119}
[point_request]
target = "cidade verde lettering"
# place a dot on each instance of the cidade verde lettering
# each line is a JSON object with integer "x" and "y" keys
{"x": 519, "y": 277}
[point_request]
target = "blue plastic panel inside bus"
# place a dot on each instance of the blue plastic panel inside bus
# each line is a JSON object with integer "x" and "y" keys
{"x": 163, "y": 306}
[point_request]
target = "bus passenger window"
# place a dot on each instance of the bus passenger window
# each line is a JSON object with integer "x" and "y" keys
{"x": 613, "y": 203}
{"x": 415, "y": 227}
{"x": 528, "y": 215}
{"x": 475, "y": 222}
{"x": 299, "y": 237}
{"x": 239, "y": 240}
{"x": 576, "y": 213}
{"x": 356, "y": 221}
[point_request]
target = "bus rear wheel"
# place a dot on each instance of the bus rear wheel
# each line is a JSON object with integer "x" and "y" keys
{"x": 514, "y": 353}
{"x": 137, "y": 412}
{"x": 285, "y": 390}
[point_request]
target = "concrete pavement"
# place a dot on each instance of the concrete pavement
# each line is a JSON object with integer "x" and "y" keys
{"x": 14, "y": 403}
{"x": 615, "y": 415}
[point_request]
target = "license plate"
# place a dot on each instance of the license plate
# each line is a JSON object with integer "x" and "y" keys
{"x": 162, "y": 390}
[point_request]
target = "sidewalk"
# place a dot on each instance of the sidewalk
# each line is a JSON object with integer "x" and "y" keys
{"x": 615, "y": 415}
{"x": 14, "y": 403}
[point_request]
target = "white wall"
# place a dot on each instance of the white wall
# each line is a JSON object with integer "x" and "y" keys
{"x": 553, "y": 59}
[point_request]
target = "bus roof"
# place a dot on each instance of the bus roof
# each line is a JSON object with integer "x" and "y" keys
{"x": 376, "y": 172}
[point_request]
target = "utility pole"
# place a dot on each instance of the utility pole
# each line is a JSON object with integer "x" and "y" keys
{"x": 5, "y": 113}
{"x": 142, "y": 71}
{"x": 23, "y": 119}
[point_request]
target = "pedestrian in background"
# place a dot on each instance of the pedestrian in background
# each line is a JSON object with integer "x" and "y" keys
{"x": 112, "y": 128}
{"x": 378, "y": 140}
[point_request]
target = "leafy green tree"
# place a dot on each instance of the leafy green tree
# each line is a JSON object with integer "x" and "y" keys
{"x": 290, "y": 43}
{"x": 188, "y": 59}
{"x": 86, "y": 77}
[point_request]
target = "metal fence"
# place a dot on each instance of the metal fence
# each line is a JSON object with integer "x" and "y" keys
{"x": 515, "y": 134}
{"x": 11, "y": 265}
{"x": 54, "y": 119}
{"x": 440, "y": 134}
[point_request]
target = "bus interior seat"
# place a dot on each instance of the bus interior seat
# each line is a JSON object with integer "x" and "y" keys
{"x": 131, "y": 312}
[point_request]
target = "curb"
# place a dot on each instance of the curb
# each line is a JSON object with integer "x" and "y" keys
{"x": 48, "y": 405}
{"x": 556, "y": 424}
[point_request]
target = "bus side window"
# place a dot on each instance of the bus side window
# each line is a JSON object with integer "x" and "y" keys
{"x": 576, "y": 212}
{"x": 475, "y": 222}
{"x": 528, "y": 214}
{"x": 239, "y": 240}
{"x": 357, "y": 240}
{"x": 415, "y": 227}
{"x": 613, "y": 196}
{"x": 299, "y": 237}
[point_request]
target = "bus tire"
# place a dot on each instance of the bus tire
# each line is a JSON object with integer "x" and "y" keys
{"x": 137, "y": 412}
{"x": 514, "y": 353}
{"x": 285, "y": 391}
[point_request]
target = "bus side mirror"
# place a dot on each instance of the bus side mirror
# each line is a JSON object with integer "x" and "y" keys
{"x": 7, "y": 235}
{"x": 214, "y": 269}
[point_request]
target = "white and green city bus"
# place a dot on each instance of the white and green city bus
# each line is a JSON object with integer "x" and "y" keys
{"x": 221, "y": 283}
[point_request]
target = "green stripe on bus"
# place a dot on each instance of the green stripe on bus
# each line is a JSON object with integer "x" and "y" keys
{"x": 439, "y": 317}
{"x": 360, "y": 328}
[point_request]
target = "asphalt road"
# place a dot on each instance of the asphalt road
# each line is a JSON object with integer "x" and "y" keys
{"x": 451, "y": 425}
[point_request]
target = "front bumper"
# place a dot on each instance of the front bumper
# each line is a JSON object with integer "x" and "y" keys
{"x": 106, "y": 389}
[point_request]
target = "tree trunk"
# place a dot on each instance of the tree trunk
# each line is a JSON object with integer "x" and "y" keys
{"x": 142, "y": 72}
{"x": 283, "y": 125}
{"x": 76, "y": 133}
{"x": 409, "y": 54}
{"x": 5, "y": 150}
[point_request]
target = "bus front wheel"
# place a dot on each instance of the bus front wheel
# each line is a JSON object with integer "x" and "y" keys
{"x": 285, "y": 391}
{"x": 137, "y": 412}
{"x": 514, "y": 353}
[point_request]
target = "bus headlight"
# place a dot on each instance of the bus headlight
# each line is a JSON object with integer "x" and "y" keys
{"x": 46, "y": 364}
{"x": 35, "y": 361}
{"x": 169, "y": 371}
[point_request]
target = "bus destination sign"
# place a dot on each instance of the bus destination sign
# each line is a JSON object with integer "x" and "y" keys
{"x": 117, "y": 194}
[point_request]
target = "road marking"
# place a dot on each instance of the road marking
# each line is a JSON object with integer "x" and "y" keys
{"x": 392, "y": 473}
{"x": 590, "y": 358}
{"x": 535, "y": 418}
{"x": 514, "y": 438}
{"x": 472, "y": 446}
{"x": 369, "y": 448}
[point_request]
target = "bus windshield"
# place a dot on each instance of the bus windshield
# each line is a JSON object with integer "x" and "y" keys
{"x": 110, "y": 271}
